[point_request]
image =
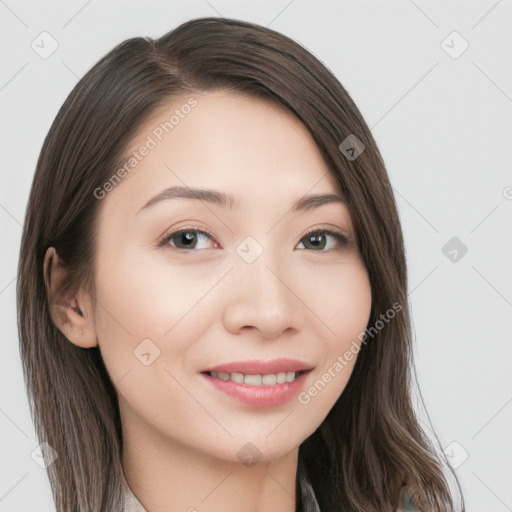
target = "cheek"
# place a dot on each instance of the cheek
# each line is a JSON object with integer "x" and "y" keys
{"x": 346, "y": 305}
{"x": 350, "y": 318}
{"x": 140, "y": 300}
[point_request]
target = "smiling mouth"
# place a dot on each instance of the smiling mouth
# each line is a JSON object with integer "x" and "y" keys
{"x": 268, "y": 379}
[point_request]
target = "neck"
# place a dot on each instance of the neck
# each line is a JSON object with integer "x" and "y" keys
{"x": 168, "y": 476}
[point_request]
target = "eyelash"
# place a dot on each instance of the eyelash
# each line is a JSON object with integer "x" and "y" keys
{"x": 341, "y": 239}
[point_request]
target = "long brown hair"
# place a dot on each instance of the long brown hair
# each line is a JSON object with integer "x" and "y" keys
{"x": 371, "y": 442}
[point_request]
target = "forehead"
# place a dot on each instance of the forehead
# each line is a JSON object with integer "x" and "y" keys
{"x": 247, "y": 146}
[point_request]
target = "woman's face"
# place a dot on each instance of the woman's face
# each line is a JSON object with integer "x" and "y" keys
{"x": 252, "y": 285}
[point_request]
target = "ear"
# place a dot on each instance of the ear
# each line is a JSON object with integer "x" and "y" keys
{"x": 72, "y": 314}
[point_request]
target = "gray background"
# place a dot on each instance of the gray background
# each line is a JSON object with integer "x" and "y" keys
{"x": 443, "y": 122}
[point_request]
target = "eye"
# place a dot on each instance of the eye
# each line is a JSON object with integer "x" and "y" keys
{"x": 316, "y": 240}
{"x": 187, "y": 238}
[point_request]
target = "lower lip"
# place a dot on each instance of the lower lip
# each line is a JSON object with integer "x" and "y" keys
{"x": 260, "y": 396}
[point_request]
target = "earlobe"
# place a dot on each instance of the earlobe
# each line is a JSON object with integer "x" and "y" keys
{"x": 71, "y": 313}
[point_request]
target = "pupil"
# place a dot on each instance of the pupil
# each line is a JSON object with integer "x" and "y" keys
{"x": 187, "y": 236}
{"x": 316, "y": 240}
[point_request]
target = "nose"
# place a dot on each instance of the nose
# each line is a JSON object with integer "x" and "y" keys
{"x": 261, "y": 297}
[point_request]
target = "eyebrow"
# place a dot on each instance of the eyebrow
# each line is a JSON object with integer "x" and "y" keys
{"x": 226, "y": 200}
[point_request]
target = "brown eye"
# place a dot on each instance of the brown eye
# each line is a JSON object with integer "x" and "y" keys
{"x": 186, "y": 239}
{"x": 316, "y": 240}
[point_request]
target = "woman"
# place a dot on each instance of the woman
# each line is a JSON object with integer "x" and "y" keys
{"x": 212, "y": 291}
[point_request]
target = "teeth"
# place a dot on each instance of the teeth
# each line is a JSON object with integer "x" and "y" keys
{"x": 269, "y": 379}
{"x": 252, "y": 380}
{"x": 237, "y": 377}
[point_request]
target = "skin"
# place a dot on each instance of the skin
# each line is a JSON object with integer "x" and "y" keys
{"x": 206, "y": 306}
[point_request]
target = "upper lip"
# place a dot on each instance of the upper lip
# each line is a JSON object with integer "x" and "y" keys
{"x": 262, "y": 367}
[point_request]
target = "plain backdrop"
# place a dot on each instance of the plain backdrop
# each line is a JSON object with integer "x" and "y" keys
{"x": 433, "y": 80}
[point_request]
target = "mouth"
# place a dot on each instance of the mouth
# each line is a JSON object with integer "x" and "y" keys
{"x": 257, "y": 379}
{"x": 259, "y": 383}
